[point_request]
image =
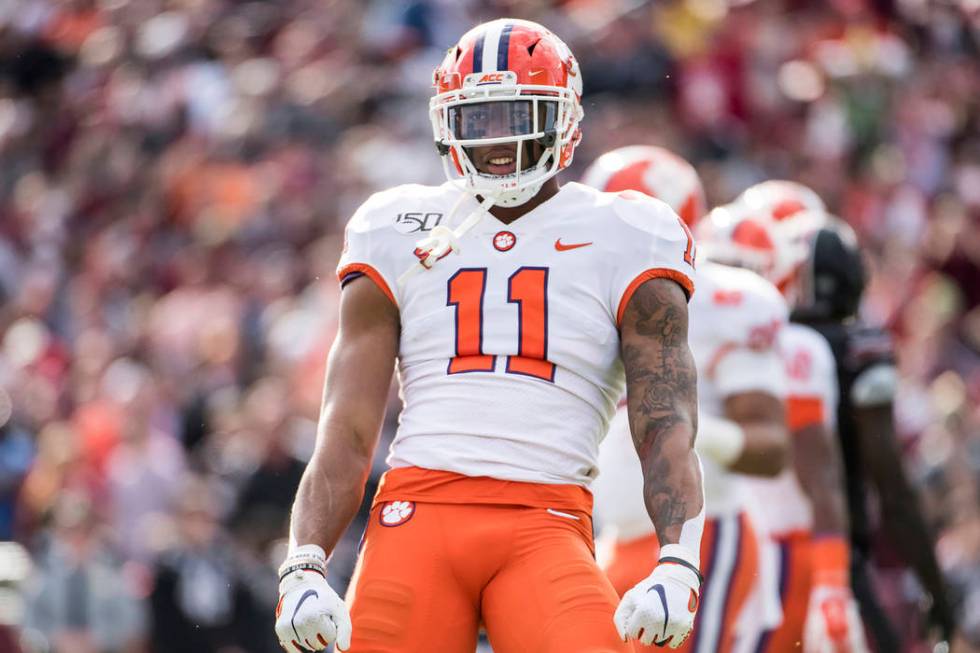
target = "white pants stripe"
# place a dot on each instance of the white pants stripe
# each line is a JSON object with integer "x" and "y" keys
{"x": 717, "y": 584}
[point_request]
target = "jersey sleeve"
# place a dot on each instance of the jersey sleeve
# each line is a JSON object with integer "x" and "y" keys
{"x": 653, "y": 243}
{"x": 365, "y": 244}
{"x": 811, "y": 378}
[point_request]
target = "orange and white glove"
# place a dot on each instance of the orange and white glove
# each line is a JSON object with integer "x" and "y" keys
{"x": 660, "y": 609}
{"x": 310, "y": 615}
{"x": 833, "y": 623}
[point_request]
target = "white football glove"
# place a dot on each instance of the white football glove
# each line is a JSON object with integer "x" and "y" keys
{"x": 310, "y": 615}
{"x": 660, "y": 609}
{"x": 833, "y": 623}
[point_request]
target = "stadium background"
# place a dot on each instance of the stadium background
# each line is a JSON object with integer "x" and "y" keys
{"x": 174, "y": 180}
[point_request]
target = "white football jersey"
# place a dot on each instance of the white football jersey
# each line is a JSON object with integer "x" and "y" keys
{"x": 735, "y": 320}
{"x": 779, "y": 504}
{"x": 509, "y": 358}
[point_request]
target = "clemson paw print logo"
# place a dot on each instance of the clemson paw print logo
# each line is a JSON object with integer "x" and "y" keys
{"x": 396, "y": 513}
{"x": 504, "y": 240}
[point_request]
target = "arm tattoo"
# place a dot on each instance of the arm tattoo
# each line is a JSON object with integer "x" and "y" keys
{"x": 662, "y": 396}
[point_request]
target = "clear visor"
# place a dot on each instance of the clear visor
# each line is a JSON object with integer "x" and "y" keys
{"x": 496, "y": 119}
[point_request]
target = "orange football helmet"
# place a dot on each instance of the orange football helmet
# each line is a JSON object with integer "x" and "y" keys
{"x": 779, "y": 199}
{"x": 737, "y": 235}
{"x": 507, "y": 81}
{"x": 653, "y": 170}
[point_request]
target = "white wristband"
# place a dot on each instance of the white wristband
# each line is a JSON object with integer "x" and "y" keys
{"x": 720, "y": 439}
{"x": 309, "y": 557}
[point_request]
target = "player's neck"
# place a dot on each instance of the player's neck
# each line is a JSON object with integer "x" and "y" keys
{"x": 508, "y": 214}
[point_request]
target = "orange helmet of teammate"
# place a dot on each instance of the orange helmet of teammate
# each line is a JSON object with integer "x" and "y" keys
{"x": 507, "y": 81}
{"x": 736, "y": 235}
{"x": 656, "y": 171}
{"x": 779, "y": 199}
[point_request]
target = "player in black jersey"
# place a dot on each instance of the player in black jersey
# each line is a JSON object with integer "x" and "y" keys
{"x": 833, "y": 283}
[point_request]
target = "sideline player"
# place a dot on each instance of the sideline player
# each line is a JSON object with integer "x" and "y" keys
{"x": 735, "y": 321}
{"x": 802, "y": 512}
{"x": 867, "y": 378}
{"x": 512, "y": 330}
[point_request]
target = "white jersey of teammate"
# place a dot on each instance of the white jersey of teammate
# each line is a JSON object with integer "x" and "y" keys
{"x": 509, "y": 359}
{"x": 780, "y": 505}
{"x": 735, "y": 321}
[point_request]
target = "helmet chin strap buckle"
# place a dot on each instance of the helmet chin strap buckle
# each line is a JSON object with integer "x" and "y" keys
{"x": 443, "y": 240}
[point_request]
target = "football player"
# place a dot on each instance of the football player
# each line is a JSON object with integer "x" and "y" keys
{"x": 864, "y": 358}
{"x": 515, "y": 330}
{"x": 802, "y": 512}
{"x": 735, "y": 321}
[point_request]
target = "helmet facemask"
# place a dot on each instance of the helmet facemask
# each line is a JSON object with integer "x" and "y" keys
{"x": 540, "y": 121}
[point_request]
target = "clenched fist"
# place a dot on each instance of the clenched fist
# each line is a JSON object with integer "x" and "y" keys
{"x": 833, "y": 624}
{"x": 310, "y": 615}
{"x": 660, "y": 609}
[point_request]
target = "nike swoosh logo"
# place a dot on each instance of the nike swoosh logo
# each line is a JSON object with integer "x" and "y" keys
{"x": 659, "y": 589}
{"x": 292, "y": 621}
{"x": 561, "y": 247}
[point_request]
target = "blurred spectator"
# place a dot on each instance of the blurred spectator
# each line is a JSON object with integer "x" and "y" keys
{"x": 266, "y": 496}
{"x": 16, "y": 456}
{"x": 200, "y": 601}
{"x": 80, "y": 599}
{"x": 145, "y": 469}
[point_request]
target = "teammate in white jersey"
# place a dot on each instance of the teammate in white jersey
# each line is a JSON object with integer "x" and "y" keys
{"x": 736, "y": 318}
{"x": 802, "y": 513}
{"x": 515, "y": 329}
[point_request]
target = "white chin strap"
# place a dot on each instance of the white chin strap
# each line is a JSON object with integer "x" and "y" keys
{"x": 519, "y": 196}
{"x": 535, "y": 177}
{"x": 442, "y": 240}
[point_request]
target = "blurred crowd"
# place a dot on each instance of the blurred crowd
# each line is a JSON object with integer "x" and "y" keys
{"x": 174, "y": 180}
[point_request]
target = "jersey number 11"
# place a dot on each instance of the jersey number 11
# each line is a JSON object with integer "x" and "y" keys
{"x": 528, "y": 288}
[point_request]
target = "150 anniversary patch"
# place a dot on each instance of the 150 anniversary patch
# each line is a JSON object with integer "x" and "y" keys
{"x": 413, "y": 222}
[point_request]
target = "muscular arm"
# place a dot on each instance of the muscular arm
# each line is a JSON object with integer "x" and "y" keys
{"x": 816, "y": 459}
{"x": 359, "y": 371}
{"x": 901, "y": 515}
{"x": 762, "y": 417}
{"x": 661, "y": 386}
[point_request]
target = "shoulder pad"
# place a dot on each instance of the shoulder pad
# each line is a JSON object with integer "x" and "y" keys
{"x": 742, "y": 289}
{"x": 380, "y": 237}
{"x": 389, "y": 208}
{"x": 646, "y": 214}
{"x": 739, "y": 307}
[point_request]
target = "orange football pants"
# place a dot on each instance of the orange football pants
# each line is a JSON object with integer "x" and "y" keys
{"x": 730, "y": 565}
{"x": 795, "y": 576}
{"x": 445, "y": 553}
